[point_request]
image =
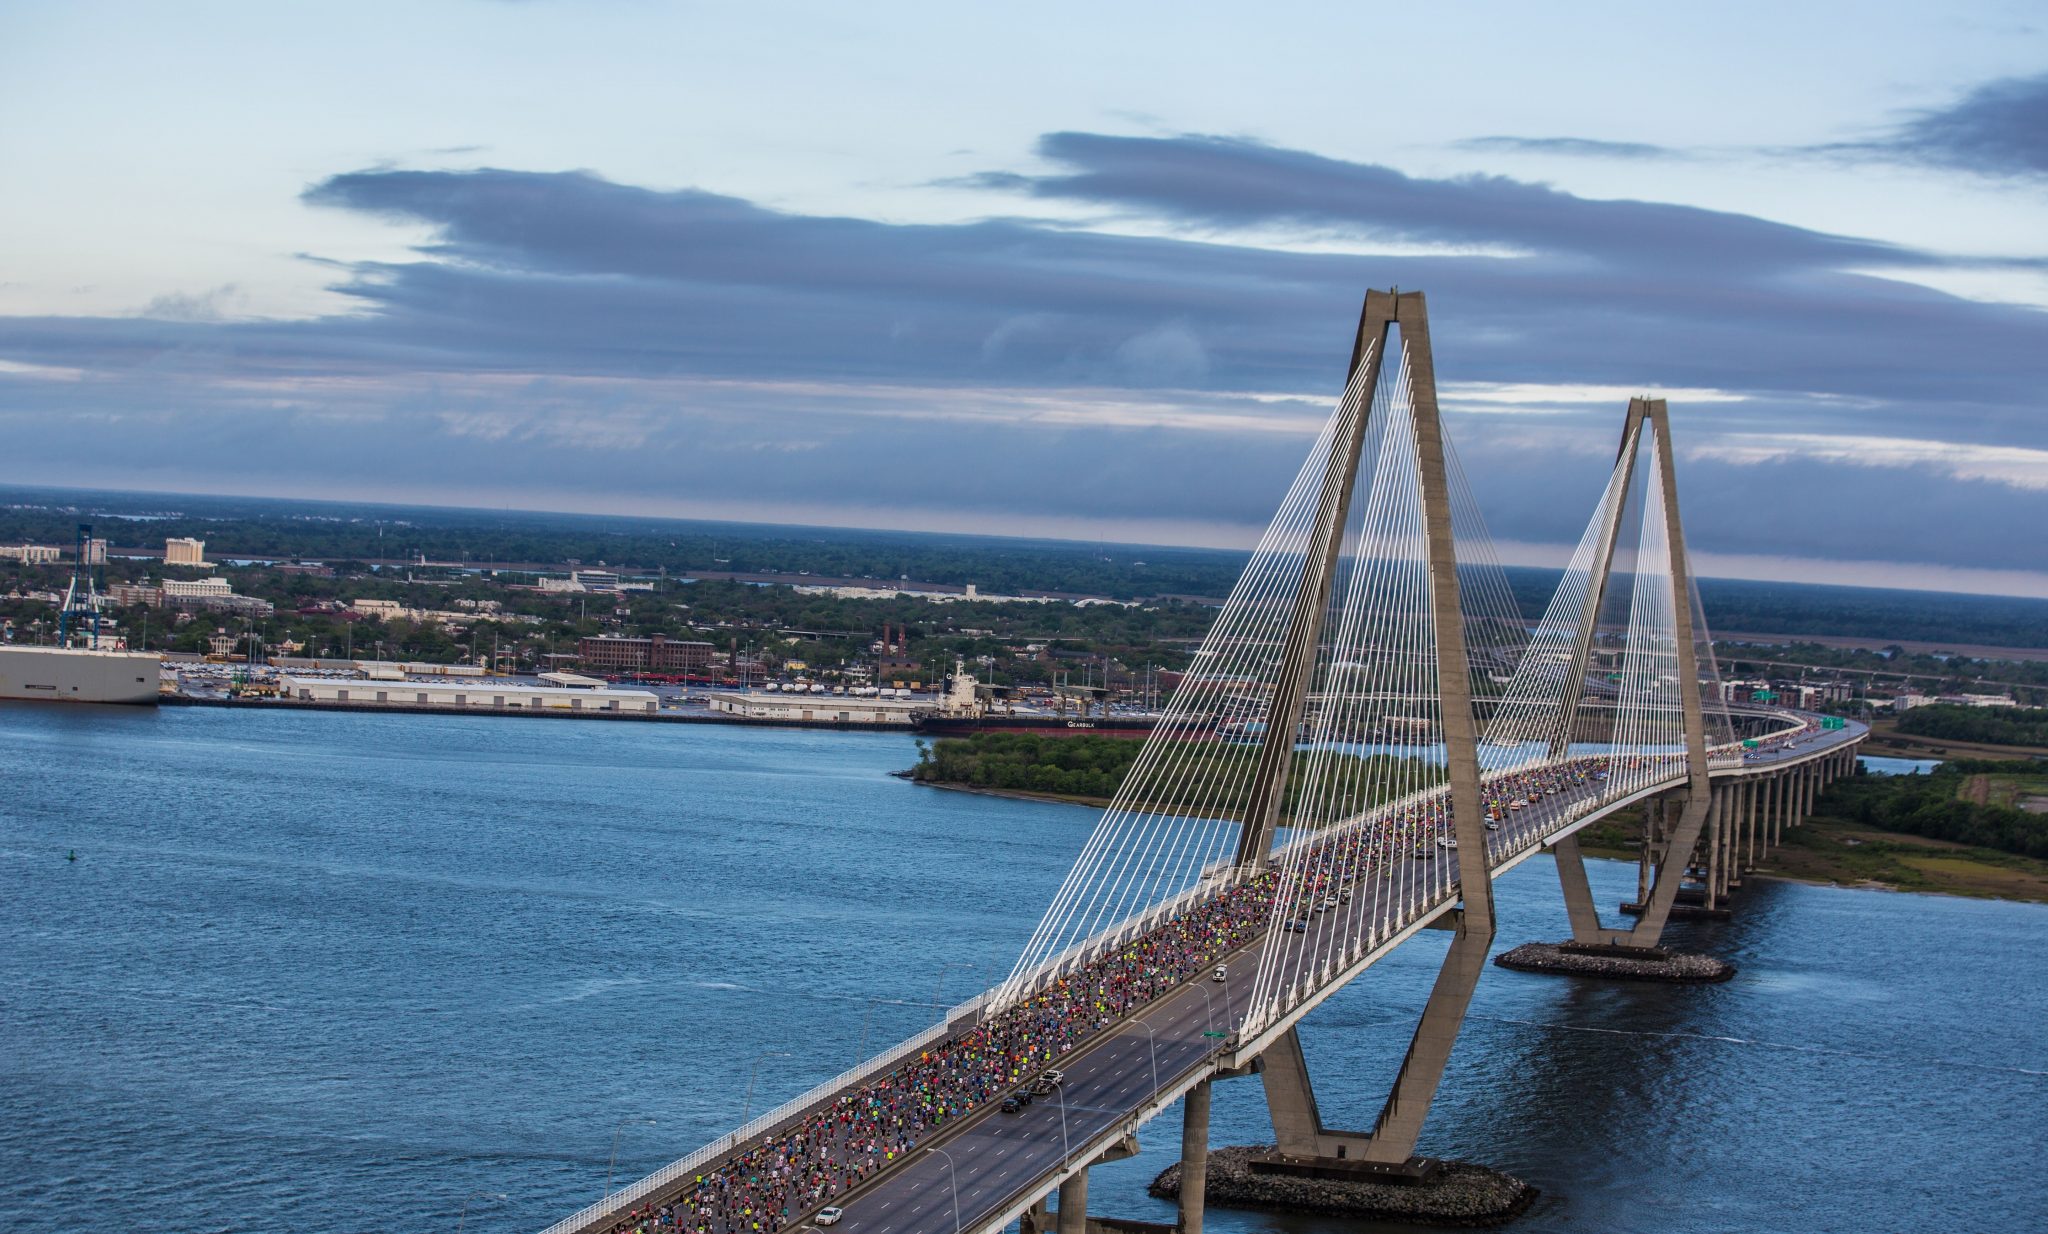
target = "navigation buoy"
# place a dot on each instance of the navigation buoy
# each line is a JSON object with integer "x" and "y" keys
{"x": 72, "y": 855}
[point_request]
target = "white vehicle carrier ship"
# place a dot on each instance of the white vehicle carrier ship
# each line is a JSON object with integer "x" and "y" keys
{"x": 79, "y": 675}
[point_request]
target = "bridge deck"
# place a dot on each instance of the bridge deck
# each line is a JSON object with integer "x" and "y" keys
{"x": 1121, "y": 1077}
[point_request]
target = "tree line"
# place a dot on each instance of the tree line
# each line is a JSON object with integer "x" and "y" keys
{"x": 1996, "y": 726}
{"x": 1934, "y": 806}
{"x": 1211, "y": 778}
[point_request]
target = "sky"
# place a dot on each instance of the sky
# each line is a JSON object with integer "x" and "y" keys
{"x": 1084, "y": 271}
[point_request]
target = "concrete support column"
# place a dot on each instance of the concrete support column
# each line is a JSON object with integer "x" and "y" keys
{"x": 1713, "y": 847}
{"x": 1682, "y": 837}
{"x": 1756, "y": 823}
{"x": 1762, "y": 790}
{"x": 1754, "y": 796}
{"x": 1728, "y": 825}
{"x": 1731, "y": 848}
{"x": 1290, "y": 1097}
{"x": 1578, "y": 893}
{"x": 1194, "y": 1157}
{"x": 1763, "y": 816}
{"x": 1731, "y": 837}
{"x": 1777, "y": 810}
{"x": 1400, "y": 1121}
{"x": 1074, "y": 1204}
{"x": 1745, "y": 833}
{"x": 1653, "y": 826}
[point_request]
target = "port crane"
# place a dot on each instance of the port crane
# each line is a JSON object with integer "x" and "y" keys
{"x": 82, "y": 598}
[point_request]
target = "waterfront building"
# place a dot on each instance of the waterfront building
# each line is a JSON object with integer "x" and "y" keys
{"x": 185, "y": 551}
{"x": 485, "y": 695}
{"x": 819, "y": 709}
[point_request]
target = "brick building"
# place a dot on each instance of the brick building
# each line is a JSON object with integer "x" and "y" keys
{"x": 660, "y": 654}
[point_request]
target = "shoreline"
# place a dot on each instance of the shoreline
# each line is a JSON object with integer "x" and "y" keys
{"x": 1847, "y": 880}
{"x": 527, "y": 713}
{"x": 1015, "y": 794}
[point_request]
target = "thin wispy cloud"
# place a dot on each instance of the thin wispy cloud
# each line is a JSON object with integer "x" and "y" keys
{"x": 1572, "y": 147}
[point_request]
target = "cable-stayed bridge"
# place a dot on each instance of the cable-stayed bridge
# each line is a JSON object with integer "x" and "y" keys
{"x": 1369, "y": 735}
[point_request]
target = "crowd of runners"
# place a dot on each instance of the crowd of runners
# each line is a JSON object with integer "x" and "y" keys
{"x": 865, "y": 1131}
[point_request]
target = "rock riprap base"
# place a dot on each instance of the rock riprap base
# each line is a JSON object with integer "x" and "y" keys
{"x": 1460, "y": 1194}
{"x": 1570, "y": 961}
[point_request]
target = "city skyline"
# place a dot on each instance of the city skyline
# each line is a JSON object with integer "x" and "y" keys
{"x": 703, "y": 268}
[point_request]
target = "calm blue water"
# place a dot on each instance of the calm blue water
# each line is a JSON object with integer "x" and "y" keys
{"x": 335, "y": 972}
{"x": 1878, "y": 765}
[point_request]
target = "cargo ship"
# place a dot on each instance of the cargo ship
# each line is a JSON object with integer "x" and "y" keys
{"x": 79, "y": 675}
{"x": 1051, "y": 723}
{"x": 68, "y": 673}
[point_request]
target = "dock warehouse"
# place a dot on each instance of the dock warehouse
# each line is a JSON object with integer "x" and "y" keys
{"x": 817, "y": 709}
{"x": 482, "y": 695}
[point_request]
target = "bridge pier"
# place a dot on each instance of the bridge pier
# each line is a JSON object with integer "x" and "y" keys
{"x": 1322, "y": 1170}
{"x": 1734, "y": 850}
{"x": 1778, "y": 790}
{"x": 1714, "y": 868}
{"x": 1749, "y": 824}
{"x": 1304, "y": 1145}
{"x": 1073, "y": 1210}
{"x": 1578, "y": 893}
{"x": 1071, "y": 1217}
{"x": 1298, "y": 1130}
{"x": 1194, "y": 1157}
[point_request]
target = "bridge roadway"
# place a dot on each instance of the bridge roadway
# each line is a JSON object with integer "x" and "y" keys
{"x": 981, "y": 1172}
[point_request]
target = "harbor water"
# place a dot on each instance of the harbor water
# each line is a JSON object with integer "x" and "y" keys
{"x": 341, "y": 972}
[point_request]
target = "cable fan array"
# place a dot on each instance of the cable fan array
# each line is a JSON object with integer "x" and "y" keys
{"x": 1197, "y": 856}
{"x": 1370, "y": 729}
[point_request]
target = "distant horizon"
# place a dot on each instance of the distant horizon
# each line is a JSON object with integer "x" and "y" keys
{"x": 783, "y": 285}
{"x": 1512, "y": 554}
